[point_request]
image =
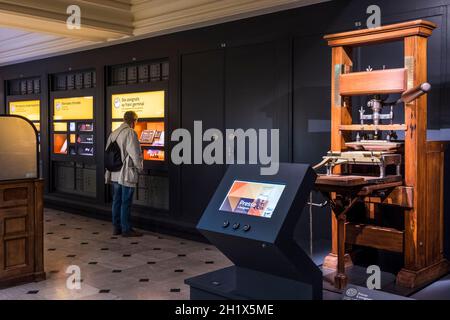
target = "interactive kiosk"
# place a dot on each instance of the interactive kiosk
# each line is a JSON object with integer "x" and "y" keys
{"x": 251, "y": 219}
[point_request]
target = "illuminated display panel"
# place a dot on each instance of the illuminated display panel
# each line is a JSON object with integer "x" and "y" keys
{"x": 115, "y": 125}
{"x": 29, "y": 109}
{"x": 60, "y": 143}
{"x": 60, "y": 126}
{"x": 148, "y": 104}
{"x": 153, "y": 154}
{"x": 252, "y": 198}
{"x": 79, "y": 108}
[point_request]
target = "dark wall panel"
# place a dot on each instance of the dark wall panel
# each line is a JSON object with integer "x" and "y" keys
{"x": 202, "y": 99}
{"x": 311, "y": 120}
{"x": 257, "y": 90}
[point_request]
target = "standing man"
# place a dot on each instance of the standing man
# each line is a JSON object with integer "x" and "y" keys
{"x": 125, "y": 180}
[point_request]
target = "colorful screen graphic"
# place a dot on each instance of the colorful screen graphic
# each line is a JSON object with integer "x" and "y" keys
{"x": 252, "y": 198}
{"x": 146, "y": 104}
{"x": 80, "y": 108}
{"x": 28, "y": 109}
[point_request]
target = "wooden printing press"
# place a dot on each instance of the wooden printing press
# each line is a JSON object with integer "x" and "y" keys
{"x": 368, "y": 169}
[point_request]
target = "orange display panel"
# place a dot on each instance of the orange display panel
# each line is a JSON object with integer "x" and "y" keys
{"x": 73, "y": 138}
{"x": 79, "y": 108}
{"x": 59, "y": 143}
{"x": 148, "y": 104}
{"x": 150, "y": 133}
{"x": 153, "y": 154}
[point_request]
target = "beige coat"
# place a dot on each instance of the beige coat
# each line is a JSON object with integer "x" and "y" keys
{"x": 131, "y": 153}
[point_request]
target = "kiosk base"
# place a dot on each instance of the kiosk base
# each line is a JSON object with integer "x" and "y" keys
{"x": 236, "y": 283}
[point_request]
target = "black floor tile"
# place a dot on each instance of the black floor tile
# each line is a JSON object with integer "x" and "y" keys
{"x": 66, "y": 238}
{"x": 51, "y": 249}
{"x": 175, "y": 290}
{"x": 209, "y": 262}
{"x": 93, "y": 262}
{"x": 156, "y": 248}
{"x": 151, "y": 262}
{"x": 179, "y": 270}
{"x": 117, "y": 271}
{"x": 71, "y": 256}
{"x": 182, "y": 255}
{"x": 104, "y": 249}
{"x": 104, "y": 291}
{"x": 33, "y": 292}
{"x": 143, "y": 280}
{"x": 126, "y": 255}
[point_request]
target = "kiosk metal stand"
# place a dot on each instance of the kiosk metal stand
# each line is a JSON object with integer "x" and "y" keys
{"x": 251, "y": 219}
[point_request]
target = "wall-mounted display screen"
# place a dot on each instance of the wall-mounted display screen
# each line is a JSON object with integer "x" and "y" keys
{"x": 148, "y": 104}
{"x": 150, "y": 133}
{"x": 29, "y": 109}
{"x": 153, "y": 154}
{"x": 60, "y": 143}
{"x": 79, "y": 108}
{"x": 252, "y": 198}
{"x": 60, "y": 126}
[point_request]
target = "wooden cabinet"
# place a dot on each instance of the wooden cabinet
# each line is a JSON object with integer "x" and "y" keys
{"x": 21, "y": 231}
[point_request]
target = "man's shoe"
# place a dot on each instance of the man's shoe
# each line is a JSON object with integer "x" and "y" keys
{"x": 131, "y": 233}
{"x": 117, "y": 231}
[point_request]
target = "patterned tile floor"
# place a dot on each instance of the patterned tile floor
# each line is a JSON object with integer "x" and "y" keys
{"x": 150, "y": 267}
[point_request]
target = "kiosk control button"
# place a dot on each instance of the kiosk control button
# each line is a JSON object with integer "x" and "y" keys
{"x": 225, "y": 224}
{"x": 246, "y": 228}
{"x": 236, "y": 225}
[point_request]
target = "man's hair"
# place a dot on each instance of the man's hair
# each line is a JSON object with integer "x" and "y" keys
{"x": 130, "y": 116}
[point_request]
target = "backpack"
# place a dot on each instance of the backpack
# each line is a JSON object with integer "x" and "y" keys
{"x": 113, "y": 157}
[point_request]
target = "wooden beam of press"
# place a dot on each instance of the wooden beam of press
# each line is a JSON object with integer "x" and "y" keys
{"x": 400, "y": 196}
{"x": 373, "y": 82}
{"x": 393, "y": 32}
{"x": 374, "y": 237}
{"x": 371, "y": 127}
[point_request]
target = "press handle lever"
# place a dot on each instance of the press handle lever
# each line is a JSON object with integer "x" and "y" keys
{"x": 320, "y": 205}
{"x": 414, "y": 93}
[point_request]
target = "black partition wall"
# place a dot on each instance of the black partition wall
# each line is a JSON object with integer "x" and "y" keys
{"x": 266, "y": 72}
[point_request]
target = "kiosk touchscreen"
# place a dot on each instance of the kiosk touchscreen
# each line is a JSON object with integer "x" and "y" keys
{"x": 251, "y": 218}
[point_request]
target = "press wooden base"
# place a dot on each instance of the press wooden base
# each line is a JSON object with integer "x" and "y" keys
{"x": 413, "y": 279}
{"x": 340, "y": 281}
{"x": 331, "y": 261}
